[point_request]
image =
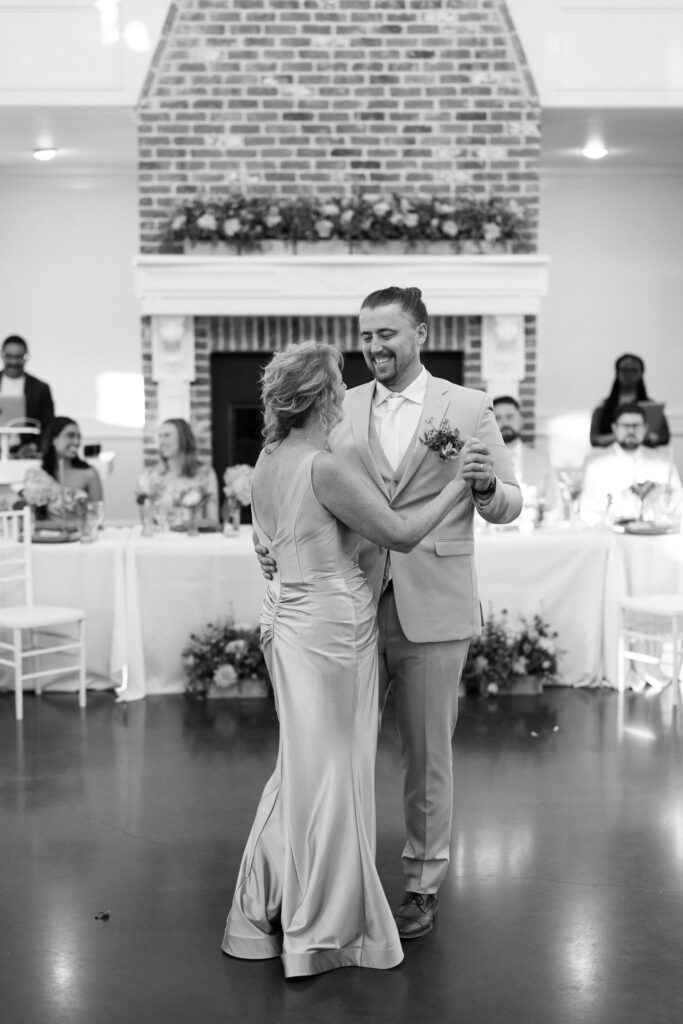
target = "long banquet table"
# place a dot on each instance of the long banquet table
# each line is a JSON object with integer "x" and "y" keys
{"x": 144, "y": 596}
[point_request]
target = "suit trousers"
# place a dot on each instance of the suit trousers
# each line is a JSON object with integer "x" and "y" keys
{"x": 425, "y": 679}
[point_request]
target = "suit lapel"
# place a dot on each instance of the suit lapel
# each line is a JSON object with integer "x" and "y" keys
{"x": 435, "y": 408}
{"x": 359, "y": 412}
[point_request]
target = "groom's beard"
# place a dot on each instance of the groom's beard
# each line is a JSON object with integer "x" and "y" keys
{"x": 509, "y": 434}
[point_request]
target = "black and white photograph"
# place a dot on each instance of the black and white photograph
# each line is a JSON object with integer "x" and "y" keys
{"x": 341, "y": 513}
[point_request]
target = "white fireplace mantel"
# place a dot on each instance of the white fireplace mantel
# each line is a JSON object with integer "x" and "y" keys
{"x": 334, "y": 285}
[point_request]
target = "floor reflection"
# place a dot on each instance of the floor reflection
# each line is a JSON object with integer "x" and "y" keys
{"x": 562, "y": 901}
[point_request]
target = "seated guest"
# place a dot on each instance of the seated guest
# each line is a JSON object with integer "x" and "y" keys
{"x": 610, "y": 476}
{"x": 532, "y": 468}
{"x": 180, "y": 470}
{"x": 66, "y": 481}
{"x": 38, "y": 398}
{"x": 628, "y": 387}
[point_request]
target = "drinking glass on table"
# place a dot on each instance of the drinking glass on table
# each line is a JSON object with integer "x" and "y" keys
{"x": 98, "y": 512}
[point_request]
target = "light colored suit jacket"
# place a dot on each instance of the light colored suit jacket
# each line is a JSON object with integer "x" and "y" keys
{"x": 435, "y": 584}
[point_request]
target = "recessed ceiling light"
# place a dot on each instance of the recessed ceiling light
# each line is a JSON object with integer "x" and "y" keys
{"x": 44, "y": 154}
{"x": 594, "y": 150}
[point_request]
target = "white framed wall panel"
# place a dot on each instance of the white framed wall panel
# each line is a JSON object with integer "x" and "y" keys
{"x": 618, "y": 53}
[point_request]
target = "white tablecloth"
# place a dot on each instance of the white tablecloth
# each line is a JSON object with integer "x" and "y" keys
{"x": 144, "y": 596}
{"x": 175, "y": 585}
{"x": 88, "y": 576}
{"x": 560, "y": 573}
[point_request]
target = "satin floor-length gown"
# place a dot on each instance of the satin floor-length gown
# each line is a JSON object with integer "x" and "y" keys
{"x": 308, "y": 889}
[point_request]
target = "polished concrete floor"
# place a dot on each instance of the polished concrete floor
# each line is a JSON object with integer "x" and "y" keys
{"x": 564, "y": 902}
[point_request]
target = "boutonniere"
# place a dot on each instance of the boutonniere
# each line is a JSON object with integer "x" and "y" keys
{"x": 444, "y": 439}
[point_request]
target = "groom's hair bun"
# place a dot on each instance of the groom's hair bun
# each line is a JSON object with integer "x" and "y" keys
{"x": 409, "y": 299}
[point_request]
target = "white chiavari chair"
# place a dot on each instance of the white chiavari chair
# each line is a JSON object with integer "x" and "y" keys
{"x": 30, "y": 631}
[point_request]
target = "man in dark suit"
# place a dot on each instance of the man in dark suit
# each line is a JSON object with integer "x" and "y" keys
{"x": 15, "y": 381}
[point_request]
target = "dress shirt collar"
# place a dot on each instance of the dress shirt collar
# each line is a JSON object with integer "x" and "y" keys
{"x": 414, "y": 392}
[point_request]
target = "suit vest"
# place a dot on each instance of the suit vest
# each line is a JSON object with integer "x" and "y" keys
{"x": 390, "y": 477}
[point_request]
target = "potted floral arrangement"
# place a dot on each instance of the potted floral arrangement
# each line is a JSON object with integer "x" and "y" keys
{"x": 511, "y": 659}
{"x": 225, "y": 659}
{"x": 356, "y": 221}
{"x": 237, "y": 491}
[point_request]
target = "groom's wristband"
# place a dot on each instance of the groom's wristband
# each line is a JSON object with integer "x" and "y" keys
{"x": 482, "y": 497}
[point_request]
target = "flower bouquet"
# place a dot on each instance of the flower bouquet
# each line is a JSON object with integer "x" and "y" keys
{"x": 192, "y": 503}
{"x": 505, "y": 657}
{"x": 38, "y": 493}
{"x": 237, "y": 491}
{"x": 147, "y": 493}
{"x": 224, "y": 657}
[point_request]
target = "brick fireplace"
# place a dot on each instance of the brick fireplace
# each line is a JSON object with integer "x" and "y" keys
{"x": 413, "y": 96}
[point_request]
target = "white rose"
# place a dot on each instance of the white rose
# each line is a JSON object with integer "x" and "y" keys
{"x": 231, "y": 227}
{"x": 207, "y": 222}
{"x": 225, "y": 677}
{"x": 450, "y": 228}
{"x": 192, "y": 498}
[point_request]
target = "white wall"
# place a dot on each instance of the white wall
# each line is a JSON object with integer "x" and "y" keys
{"x": 616, "y": 285}
{"x": 65, "y": 264}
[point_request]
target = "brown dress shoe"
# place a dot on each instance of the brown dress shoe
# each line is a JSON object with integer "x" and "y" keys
{"x": 415, "y": 916}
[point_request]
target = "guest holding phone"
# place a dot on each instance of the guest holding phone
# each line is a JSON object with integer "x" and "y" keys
{"x": 629, "y": 387}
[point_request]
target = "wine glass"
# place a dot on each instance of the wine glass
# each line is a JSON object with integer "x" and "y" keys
{"x": 641, "y": 490}
{"x": 570, "y": 482}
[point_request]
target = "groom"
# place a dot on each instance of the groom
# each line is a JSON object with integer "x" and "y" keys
{"x": 428, "y": 608}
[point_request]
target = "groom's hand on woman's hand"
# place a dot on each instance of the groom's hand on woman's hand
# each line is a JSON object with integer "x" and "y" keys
{"x": 477, "y": 465}
{"x": 266, "y": 560}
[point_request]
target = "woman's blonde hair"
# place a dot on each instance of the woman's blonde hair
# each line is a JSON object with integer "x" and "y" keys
{"x": 297, "y": 380}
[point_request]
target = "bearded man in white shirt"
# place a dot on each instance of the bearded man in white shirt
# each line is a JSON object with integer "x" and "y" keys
{"x": 608, "y": 478}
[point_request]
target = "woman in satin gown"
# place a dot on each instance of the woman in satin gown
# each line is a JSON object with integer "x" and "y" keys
{"x": 308, "y": 889}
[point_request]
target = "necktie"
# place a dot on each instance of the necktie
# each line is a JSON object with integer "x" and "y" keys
{"x": 389, "y": 432}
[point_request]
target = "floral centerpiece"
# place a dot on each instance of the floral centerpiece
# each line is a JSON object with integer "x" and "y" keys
{"x": 147, "y": 494}
{"x": 237, "y": 490}
{"x": 224, "y": 656}
{"x": 37, "y": 493}
{"x": 50, "y": 500}
{"x": 358, "y": 219}
{"x": 504, "y": 655}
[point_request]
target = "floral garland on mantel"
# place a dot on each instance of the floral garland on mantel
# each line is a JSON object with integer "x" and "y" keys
{"x": 355, "y": 222}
